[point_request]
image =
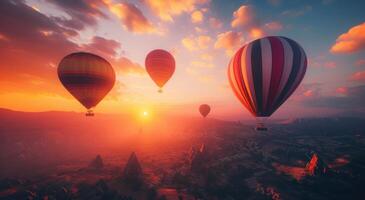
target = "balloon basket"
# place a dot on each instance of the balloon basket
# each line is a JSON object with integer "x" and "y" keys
{"x": 89, "y": 113}
{"x": 159, "y": 90}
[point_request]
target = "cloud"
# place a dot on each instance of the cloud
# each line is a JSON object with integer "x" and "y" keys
{"x": 352, "y": 101}
{"x": 256, "y": 33}
{"x": 101, "y": 46}
{"x": 360, "y": 62}
{"x": 199, "y": 43}
{"x": 82, "y": 12}
{"x": 297, "y": 12}
{"x": 197, "y": 17}
{"x": 166, "y": 9}
{"x": 215, "y": 23}
{"x": 229, "y": 41}
{"x": 358, "y": 76}
{"x": 243, "y": 17}
{"x": 206, "y": 57}
{"x": 125, "y": 66}
{"x": 33, "y": 47}
{"x": 351, "y": 41}
{"x": 131, "y": 17}
{"x": 202, "y": 64}
{"x": 330, "y": 64}
{"x": 342, "y": 91}
{"x": 273, "y": 26}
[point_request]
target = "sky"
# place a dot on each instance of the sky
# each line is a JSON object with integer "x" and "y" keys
{"x": 201, "y": 34}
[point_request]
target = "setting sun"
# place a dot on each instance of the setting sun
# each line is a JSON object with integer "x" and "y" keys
{"x": 145, "y": 113}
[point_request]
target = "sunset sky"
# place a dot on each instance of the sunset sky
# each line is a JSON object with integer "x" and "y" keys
{"x": 201, "y": 34}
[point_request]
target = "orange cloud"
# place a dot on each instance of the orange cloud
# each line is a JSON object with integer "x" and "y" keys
{"x": 351, "y": 41}
{"x": 244, "y": 16}
{"x": 126, "y": 66}
{"x": 256, "y": 33}
{"x": 229, "y": 41}
{"x": 197, "y": 16}
{"x": 199, "y": 43}
{"x": 166, "y": 9}
{"x": 358, "y": 76}
{"x": 308, "y": 93}
{"x": 131, "y": 17}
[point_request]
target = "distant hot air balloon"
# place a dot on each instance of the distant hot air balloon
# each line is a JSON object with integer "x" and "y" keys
{"x": 265, "y": 72}
{"x": 160, "y": 65}
{"x": 87, "y": 77}
{"x": 204, "y": 110}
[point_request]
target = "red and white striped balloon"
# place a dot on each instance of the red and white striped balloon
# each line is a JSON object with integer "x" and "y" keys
{"x": 160, "y": 65}
{"x": 264, "y": 73}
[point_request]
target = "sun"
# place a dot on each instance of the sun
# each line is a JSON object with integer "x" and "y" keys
{"x": 145, "y": 113}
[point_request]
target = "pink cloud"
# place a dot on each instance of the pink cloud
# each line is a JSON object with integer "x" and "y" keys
{"x": 351, "y": 41}
{"x": 342, "y": 90}
{"x": 330, "y": 64}
{"x": 215, "y": 23}
{"x": 358, "y": 76}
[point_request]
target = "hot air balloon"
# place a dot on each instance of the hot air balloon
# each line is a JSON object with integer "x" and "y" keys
{"x": 204, "y": 110}
{"x": 265, "y": 72}
{"x": 160, "y": 65}
{"x": 87, "y": 77}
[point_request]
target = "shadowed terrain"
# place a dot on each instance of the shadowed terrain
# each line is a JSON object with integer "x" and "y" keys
{"x": 59, "y": 155}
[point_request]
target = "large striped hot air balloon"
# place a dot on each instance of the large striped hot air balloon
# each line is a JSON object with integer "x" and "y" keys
{"x": 87, "y": 77}
{"x": 160, "y": 65}
{"x": 264, "y": 73}
{"x": 204, "y": 110}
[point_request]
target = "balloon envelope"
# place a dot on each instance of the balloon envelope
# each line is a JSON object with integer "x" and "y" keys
{"x": 87, "y": 77}
{"x": 204, "y": 109}
{"x": 265, "y": 72}
{"x": 160, "y": 65}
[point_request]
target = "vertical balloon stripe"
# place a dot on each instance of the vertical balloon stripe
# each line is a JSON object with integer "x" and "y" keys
{"x": 256, "y": 66}
{"x": 236, "y": 89}
{"x": 301, "y": 72}
{"x": 238, "y": 74}
{"x": 241, "y": 66}
{"x": 277, "y": 50}
{"x": 266, "y": 71}
{"x": 288, "y": 64}
{"x": 247, "y": 75}
{"x": 294, "y": 73}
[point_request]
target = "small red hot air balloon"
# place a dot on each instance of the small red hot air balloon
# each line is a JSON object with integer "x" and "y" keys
{"x": 160, "y": 65}
{"x": 264, "y": 73}
{"x": 204, "y": 110}
{"x": 87, "y": 77}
